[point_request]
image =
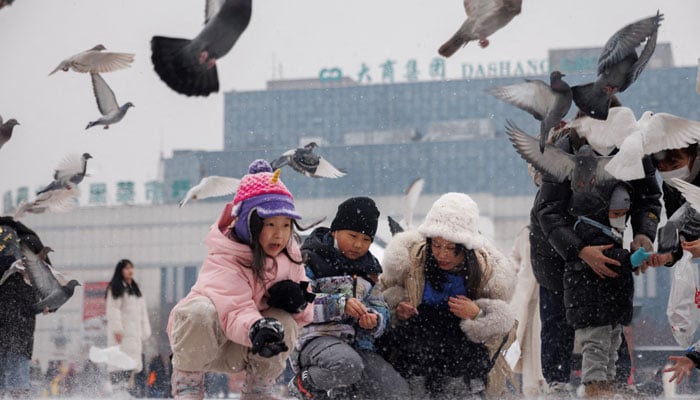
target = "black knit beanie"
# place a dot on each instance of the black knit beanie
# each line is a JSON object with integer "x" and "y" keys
{"x": 358, "y": 214}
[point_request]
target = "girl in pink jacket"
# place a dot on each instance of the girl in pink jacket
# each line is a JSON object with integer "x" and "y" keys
{"x": 249, "y": 301}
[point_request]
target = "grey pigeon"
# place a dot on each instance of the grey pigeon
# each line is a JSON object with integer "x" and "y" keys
{"x": 305, "y": 161}
{"x": 585, "y": 169}
{"x": 189, "y": 66}
{"x": 686, "y": 220}
{"x": 547, "y": 103}
{"x": 6, "y": 130}
{"x": 95, "y": 60}
{"x": 618, "y": 66}
{"x": 111, "y": 111}
{"x": 51, "y": 294}
{"x": 484, "y": 18}
{"x": 70, "y": 173}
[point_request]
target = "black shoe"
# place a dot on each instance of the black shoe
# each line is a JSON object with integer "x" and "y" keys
{"x": 301, "y": 388}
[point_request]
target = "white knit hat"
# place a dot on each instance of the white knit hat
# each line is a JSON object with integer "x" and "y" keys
{"x": 454, "y": 217}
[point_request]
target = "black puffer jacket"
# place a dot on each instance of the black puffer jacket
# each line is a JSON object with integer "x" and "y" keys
{"x": 591, "y": 301}
{"x": 325, "y": 260}
{"x": 17, "y": 315}
{"x": 552, "y": 224}
{"x": 673, "y": 200}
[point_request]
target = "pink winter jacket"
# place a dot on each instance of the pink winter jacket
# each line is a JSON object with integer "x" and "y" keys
{"x": 232, "y": 287}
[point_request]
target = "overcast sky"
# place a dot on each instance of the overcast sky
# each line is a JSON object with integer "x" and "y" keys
{"x": 291, "y": 38}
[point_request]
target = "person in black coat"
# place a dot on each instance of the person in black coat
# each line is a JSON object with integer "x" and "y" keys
{"x": 17, "y": 314}
{"x": 553, "y": 242}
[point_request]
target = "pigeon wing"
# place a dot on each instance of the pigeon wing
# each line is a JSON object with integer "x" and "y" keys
{"x": 689, "y": 191}
{"x": 533, "y": 96}
{"x": 61, "y": 200}
{"x": 626, "y": 41}
{"x": 280, "y": 162}
{"x": 666, "y": 131}
{"x": 43, "y": 281}
{"x": 212, "y": 186}
{"x": 601, "y": 173}
{"x": 1, "y": 121}
{"x": 106, "y": 100}
{"x": 479, "y": 8}
{"x": 643, "y": 59}
{"x": 621, "y": 123}
{"x": 101, "y": 62}
{"x": 327, "y": 170}
{"x": 211, "y": 8}
{"x": 553, "y": 160}
{"x": 411, "y": 199}
{"x": 69, "y": 166}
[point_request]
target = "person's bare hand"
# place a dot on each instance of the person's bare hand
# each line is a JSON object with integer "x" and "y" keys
{"x": 45, "y": 311}
{"x": 659, "y": 259}
{"x": 463, "y": 307}
{"x": 404, "y": 310}
{"x": 693, "y": 247}
{"x": 118, "y": 337}
{"x": 368, "y": 321}
{"x": 593, "y": 256}
{"x": 355, "y": 308}
{"x": 641, "y": 240}
{"x": 682, "y": 368}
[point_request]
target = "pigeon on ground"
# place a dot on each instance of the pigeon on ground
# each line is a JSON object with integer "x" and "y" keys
{"x": 585, "y": 169}
{"x": 484, "y": 18}
{"x": 189, "y": 66}
{"x": 64, "y": 199}
{"x": 685, "y": 220}
{"x": 95, "y": 60}
{"x": 6, "y": 130}
{"x": 70, "y": 173}
{"x": 653, "y": 132}
{"x": 618, "y": 66}
{"x": 305, "y": 161}
{"x": 106, "y": 103}
{"x": 50, "y": 292}
{"x": 211, "y": 186}
{"x": 547, "y": 103}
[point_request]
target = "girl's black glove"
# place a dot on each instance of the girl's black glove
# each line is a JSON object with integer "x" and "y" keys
{"x": 290, "y": 296}
{"x": 267, "y": 335}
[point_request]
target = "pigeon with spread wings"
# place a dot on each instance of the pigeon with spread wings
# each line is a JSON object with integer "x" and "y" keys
{"x": 484, "y": 18}
{"x": 6, "y": 130}
{"x": 111, "y": 111}
{"x": 686, "y": 220}
{"x": 95, "y": 60}
{"x": 211, "y": 186}
{"x": 305, "y": 161}
{"x": 70, "y": 173}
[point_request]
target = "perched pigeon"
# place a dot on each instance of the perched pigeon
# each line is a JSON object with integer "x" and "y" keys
{"x": 685, "y": 220}
{"x": 651, "y": 134}
{"x": 6, "y": 130}
{"x": 70, "y": 172}
{"x": 189, "y": 66}
{"x": 211, "y": 186}
{"x": 59, "y": 200}
{"x": 547, "y": 103}
{"x": 618, "y": 66}
{"x": 106, "y": 103}
{"x": 484, "y": 18}
{"x": 95, "y": 60}
{"x": 50, "y": 292}
{"x": 305, "y": 161}
{"x": 585, "y": 169}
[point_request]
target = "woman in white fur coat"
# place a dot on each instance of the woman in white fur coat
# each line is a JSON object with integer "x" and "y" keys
{"x": 127, "y": 318}
{"x": 448, "y": 289}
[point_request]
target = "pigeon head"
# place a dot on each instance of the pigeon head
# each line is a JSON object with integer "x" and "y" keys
{"x": 99, "y": 47}
{"x": 11, "y": 122}
{"x": 128, "y": 104}
{"x": 556, "y": 83}
{"x": 311, "y": 146}
{"x": 72, "y": 284}
{"x": 86, "y": 156}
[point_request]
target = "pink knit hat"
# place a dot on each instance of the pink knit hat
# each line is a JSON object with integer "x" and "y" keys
{"x": 261, "y": 190}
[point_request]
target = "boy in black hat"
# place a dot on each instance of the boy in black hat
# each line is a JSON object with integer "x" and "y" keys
{"x": 336, "y": 351}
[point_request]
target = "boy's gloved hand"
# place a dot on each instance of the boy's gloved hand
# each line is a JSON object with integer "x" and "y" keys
{"x": 290, "y": 296}
{"x": 267, "y": 335}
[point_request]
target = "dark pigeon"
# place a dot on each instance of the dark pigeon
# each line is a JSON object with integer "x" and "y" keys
{"x": 6, "y": 130}
{"x": 51, "y": 294}
{"x": 685, "y": 221}
{"x": 547, "y": 103}
{"x": 305, "y": 161}
{"x": 618, "y": 66}
{"x": 68, "y": 174}
{"x": 189, "y": 66}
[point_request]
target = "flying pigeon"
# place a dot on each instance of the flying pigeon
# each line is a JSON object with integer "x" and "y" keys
{"x": 70, "y": 173}
{"x": 685, "y": 220}
{"x": 605, "y": 135}
{"x": 305, "y": 161}
{"x": 106, "y": 103}
{"x": 484, "y": 18}
{"x": 410, "y": 199}
{"x": 211, "y": 186}
{"x": 585, "y": 169}
{"x": 59, "y": 200}
{"x": 189, "y": 66}
{"x": 95, "y": 60}
{"x": 618, "y": 66}
{"x": 50, "y": 292}
{"x": 547, "y": 103}
{"x": 6, "y": 130}
{"x": 653, "y": 132}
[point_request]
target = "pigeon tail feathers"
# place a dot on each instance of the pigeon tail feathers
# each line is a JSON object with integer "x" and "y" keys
{"x": 452, "y": 45}
{"x": 592, "y": 100}
{"x": 180, "y": 69}
{"x": 627, "y": 164}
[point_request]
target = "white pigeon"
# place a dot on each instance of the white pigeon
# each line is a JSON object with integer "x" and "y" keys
{"x": 211, "y": 186}
{"x": 690, "y": 192}
{"x": 484, "y": 18}
{"x": 95, "y": 60}
{"x": 59, "y": 200}
{"x": 106, "y": 103}
{"x": 113, "y": 357}
{"x": 650, "y": 134}
{"x": 410, "y": 200}
{"x": 605, "y": 135}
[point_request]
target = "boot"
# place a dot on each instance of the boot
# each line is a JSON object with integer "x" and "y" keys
{"x": 187, "y": 385}
{"x": 300, "y": 387}
{"x": 256, "y": 387}
{"x": 598, "y": 390}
